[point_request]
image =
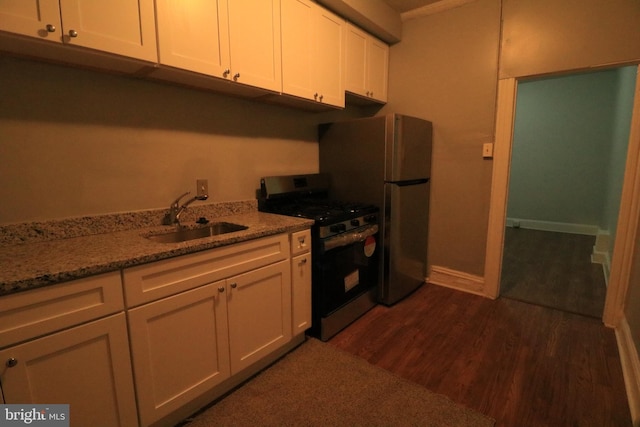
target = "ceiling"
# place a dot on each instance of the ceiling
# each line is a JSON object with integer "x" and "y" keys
{"x": 402, "y": 6}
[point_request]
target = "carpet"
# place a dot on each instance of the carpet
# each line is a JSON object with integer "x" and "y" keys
{"x": 319, "y": 385}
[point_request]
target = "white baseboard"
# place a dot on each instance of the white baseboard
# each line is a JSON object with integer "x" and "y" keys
{"x": 558, "y": 227}
{"x": 446, "y": 277}
{"x": 630, "y": 368}
{"x": 601, "y": 255}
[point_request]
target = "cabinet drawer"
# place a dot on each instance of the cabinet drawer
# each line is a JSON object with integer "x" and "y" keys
{"x": 300, "y": 242}
{"x": 41, "y": 311}
{"x": 168, "y": 277}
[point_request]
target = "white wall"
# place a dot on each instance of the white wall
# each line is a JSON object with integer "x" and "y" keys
{"x": 76, "y": 142}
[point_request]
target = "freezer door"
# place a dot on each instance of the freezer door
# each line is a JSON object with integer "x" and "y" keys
{"x": 405, "y": 240}
{"x": 408, "y": 148}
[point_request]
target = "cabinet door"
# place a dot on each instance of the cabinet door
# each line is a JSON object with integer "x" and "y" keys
{"x": 329, "y": 54}
{"x": 179, "y": 349}
{"x": 194, "y": 35}
{"x": 87, "y": 367}
{"x": 123, "y": 27}
{"x": 301, "y": 293}
{"x": 254, "y": 43}
{"x": 31, "y": 18}
{"x": 259, "y": 313}
{"x": 298, "y": 43}
{"x": 378, "y": 66}
{"x": 356, "y": 60}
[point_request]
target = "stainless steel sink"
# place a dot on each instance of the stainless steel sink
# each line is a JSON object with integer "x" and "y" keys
{"x": 184, "y": 235}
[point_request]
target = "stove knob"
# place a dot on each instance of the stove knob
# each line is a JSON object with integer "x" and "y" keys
{"x": 355, "y": 222}
{"x": 371, "y": 219}
{"x": 338, "y": 228}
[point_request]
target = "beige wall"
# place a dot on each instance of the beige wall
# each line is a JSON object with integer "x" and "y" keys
{"x": 445, "y": 70}
{"x": 75, "y": 142}
{"x": 548, "y": 36}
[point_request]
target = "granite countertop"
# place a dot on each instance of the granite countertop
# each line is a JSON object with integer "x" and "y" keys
{"x": 33, "y": 256}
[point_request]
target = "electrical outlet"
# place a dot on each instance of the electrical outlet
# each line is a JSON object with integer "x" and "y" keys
{"x": 203, "y": 187}
{"x": 487, "y": 150}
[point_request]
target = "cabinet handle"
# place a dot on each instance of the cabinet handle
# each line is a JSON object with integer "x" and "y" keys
{"x": 301, "y": 241}
{"x": 73, "y": 33}
{"x": 321, "y": 96}
{"x": 226, "y": 72}
{"x": 236, "y": 76}
{"x": 51, "y": 28}
{"x": 315, "y": 96}
{"x": 234, "y": 285}
{"x": 11, "y": 362}
{"x": 221, "y": 289}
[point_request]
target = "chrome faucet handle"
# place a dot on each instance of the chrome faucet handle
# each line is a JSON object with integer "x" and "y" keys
{"x": 172, "y": 217}
{"x": 176, "y": 202}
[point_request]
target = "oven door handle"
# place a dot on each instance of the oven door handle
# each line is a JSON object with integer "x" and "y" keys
{"x": 350, "y": 237}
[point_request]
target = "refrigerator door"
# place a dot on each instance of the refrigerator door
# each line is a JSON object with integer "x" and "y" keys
{"x": 405, "y": 233}
{"x": 408, "y": 148}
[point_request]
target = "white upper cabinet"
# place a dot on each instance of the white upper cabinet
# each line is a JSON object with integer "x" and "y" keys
{"x": 34, "y": 18}
{"x": 254, "y": 43}
{"x": 122, "y": 27}
{"x": 367, "y": 65}
{"x": 312, "y": 52}
{"x": 193, "y": 35}
{"x": 238, "y": 40}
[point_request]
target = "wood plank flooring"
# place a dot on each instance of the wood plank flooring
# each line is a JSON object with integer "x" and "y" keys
{"x": 553, "y": 270}
{"x": 521, "y": 364}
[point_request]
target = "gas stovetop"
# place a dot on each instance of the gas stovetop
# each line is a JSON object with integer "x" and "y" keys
{"x": 306, "y": 196}
{"x": 322, "y": 211}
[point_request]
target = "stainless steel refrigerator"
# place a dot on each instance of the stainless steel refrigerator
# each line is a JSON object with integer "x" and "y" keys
{"x": 386, "y": 161}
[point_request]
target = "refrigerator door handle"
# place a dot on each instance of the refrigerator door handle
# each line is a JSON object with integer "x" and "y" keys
{"x": 409, "y": 182}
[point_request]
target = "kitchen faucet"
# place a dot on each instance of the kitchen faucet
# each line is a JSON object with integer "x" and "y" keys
{"x": 175, "y": 210}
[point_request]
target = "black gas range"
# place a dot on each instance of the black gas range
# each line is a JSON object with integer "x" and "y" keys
{"x": 345, "y": 255}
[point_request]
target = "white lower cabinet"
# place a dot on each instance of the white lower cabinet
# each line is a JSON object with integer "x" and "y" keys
{"x": 86, "y": 367}
{"x": 179, "y": 349}
{"x": 259, "y": 313}
{"x": 231, "y": 308}
{"x": 301, "y": 280}
{"x": 68, "y": 344}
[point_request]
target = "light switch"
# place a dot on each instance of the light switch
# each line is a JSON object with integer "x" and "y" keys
{"x": 487, "y": 150}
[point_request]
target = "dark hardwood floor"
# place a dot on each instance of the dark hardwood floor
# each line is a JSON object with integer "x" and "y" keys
{"x": 521, "y": 364}
{"x": 553, "y": 270}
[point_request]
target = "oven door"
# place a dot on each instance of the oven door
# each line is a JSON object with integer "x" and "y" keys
{"x": 345, "y": 266}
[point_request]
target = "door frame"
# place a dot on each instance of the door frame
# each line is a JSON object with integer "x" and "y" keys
{"x": 628, "y": 217}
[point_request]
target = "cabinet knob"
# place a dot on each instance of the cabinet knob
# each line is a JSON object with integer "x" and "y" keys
{"x": 315, "y": 96}
{"x": 303, "y": 261}
{"x": 51, "y": 28}
{"x": 221, "y": 289}
{"x": 321, "y": 96}
{"x": 236, "y": 76}
{"x": 234, "y": 285}
{"x": 226, "y": 72}
{"x": 11, "y": 362}
{"x": 73, "y": 33}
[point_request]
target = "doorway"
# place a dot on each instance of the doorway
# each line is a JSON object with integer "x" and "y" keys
{"x": 629, "y": 207}
{"x": 568, "y": 156}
